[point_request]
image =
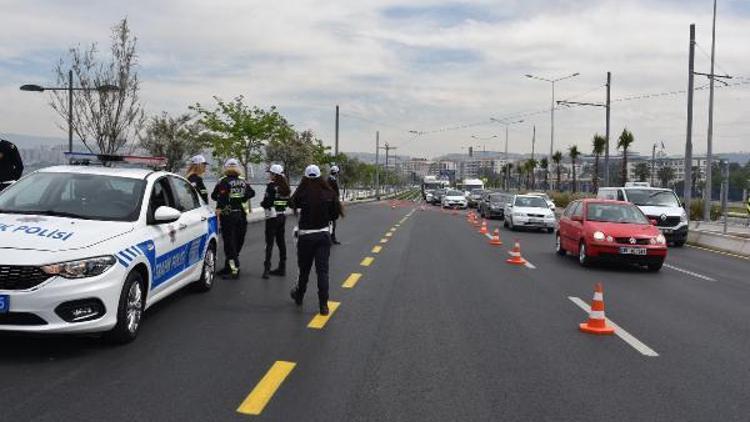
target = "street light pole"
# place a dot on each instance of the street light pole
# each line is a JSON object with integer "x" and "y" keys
{"x": 606, "y": 135}
{"x": 687, "y": 191}
{"x": 70, "y": 89}
{"x": 552, "y": 108}
{"x": 70, "y": 111}
{"x": 709, "y": 145}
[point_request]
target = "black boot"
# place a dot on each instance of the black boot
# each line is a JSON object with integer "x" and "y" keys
{"x": 281, "y": 270}
{"x": 266, "y": 268}
{"x": 324, "y": 309}
{"x": 296, "y": 296}
{"x": 233, "y": 272}
{"x": 224, "y": 271}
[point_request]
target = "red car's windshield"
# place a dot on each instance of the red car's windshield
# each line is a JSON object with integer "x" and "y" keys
{"x": 616, "y": 213}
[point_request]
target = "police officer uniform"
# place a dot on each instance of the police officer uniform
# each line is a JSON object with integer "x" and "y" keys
{"x": 232, "y": 194}
{"x": 274, "y": 204}
{"x": 196, "y": 180}
{"x": 11, "y": 165}
{"x": 318, "y": 208}
{"x": 334, "y": 183}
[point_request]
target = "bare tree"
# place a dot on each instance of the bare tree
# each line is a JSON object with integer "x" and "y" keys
{"x": 104, "y": 121}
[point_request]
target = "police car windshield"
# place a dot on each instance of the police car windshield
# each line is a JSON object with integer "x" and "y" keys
{"x": 454, "y": 193}
{"x": 653, "y": 198}
{"x": 616, "y": 213}
{"x": 496, "y": 199}
{"x": 85, "y": 196}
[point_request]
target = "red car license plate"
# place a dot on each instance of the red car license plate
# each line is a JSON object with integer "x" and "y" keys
{"x": 632, "y": 251}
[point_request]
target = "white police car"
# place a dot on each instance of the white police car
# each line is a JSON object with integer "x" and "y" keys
{"x": 88, "y": 248}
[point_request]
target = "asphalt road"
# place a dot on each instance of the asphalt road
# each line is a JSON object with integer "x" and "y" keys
{"x": 438, "y": 328}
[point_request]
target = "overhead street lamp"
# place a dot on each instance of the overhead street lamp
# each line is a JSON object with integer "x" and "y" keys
{"x": 102, "y": 88}
{"x": 552, "y": 108}
{"x": 507, "y": 124}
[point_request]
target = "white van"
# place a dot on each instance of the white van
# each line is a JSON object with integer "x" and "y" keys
{"x": 658, "y": 204}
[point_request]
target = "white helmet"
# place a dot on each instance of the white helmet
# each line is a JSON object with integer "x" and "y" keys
{"x": 312, "y": 171}
{"x": 276, "y": 169}
{"x": 334, "y": 169}
{"x": 232, "y": 162}
{"x": 198, "y": 159}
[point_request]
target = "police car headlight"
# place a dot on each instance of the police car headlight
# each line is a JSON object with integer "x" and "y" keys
{"x": 684, "y": 217}
{"x": 82, "y": 268}
{"x": 519, "y": 214}
{"x": 599, "y": 235}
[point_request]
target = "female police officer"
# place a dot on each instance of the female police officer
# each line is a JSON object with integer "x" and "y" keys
{"x": 274, "y": 204}
{"x": 195, "y": 172}
{"x": 231, "y": 195}
{"x": 319, "y": 206}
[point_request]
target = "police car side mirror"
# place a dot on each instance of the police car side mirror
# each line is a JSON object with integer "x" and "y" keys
{"x": 165, "y": 214}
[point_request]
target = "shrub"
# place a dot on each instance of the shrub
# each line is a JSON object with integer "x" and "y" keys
{"x": 696, "y": 210}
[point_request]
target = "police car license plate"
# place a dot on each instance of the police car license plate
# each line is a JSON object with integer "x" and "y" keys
{"x": 632, "y": 251}
{"x": 535, "y": 221}
{"x": 4, "y": 304}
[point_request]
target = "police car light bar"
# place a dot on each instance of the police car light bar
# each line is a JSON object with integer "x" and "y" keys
{"x": 86, "y": 158}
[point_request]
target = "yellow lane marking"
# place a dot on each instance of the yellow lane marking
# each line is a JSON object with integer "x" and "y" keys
{"x": 719, "y": 252}
{"x": 319, "y": 321}
{"x": 352, "y": 280}
{"x": 389, "y": 234}
{"x": 398, "y": 225}
{"x": 264, "y": 391}
{"x": 367, "y": 261}
{"x": 384, "y": 240}
{"x": 377, "y": 249}
{"x": 392, "y": 230}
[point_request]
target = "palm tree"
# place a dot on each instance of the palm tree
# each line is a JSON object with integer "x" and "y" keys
{"x": 626, "y": 138}
{"x": 599, "y": 143}
{"x": 531, "y": 165}
{"x": 574, "y": 154}
{"x": 544, "y": 164}
{"x": 557, "y": 158}
{"x": 642, "y": 171}
{"x": 666, "y": 175}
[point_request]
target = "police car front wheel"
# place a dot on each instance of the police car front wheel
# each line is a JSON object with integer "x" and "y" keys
{"x": 129, "y": 310}
{"x": 208, "y": 272}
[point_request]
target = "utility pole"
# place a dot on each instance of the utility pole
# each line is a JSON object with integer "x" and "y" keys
{"x": 533, "y": 169}
{"x": 653, "y": 163}
{"x": 606, "y": 135}
{"x": 687, "y": 191}
{"x": 709, "y": 145}
{"x": 377, "y": 165}
{"x": 724, "y": 190}
{"x": 336, "y": 151}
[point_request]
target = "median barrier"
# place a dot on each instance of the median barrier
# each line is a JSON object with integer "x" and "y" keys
{"x": 720, "y": 242}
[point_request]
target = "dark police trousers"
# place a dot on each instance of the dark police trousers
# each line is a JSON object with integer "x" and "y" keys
{"x": 314, "y": 247}
{"x": 233, "y": 229}
{"x": 275, "y": 232}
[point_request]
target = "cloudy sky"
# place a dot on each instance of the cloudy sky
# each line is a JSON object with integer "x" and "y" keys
{"x": 442, "y": 68}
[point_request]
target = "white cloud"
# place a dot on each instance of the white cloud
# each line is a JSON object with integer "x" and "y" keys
{"x": 306, "y": 56}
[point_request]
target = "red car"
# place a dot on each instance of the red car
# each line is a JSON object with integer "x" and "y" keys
{"x": 612, "y": 230}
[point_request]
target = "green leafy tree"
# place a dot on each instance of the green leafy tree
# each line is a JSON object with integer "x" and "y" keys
{"x": 666, "y": 174}
{"x": 599, "y": 143}
{"x": 557, "y": 159}
{"x": 626, "y": 139}
{"x": 531, "y": 165}
{"x": 544, "y": 164}
{"x": 175, "y": 138}
{"x": 294, "y": 150}
{"x": 241, "y": 131}
{"x": 642, "y": 171}
{"x": 574, "y": 154}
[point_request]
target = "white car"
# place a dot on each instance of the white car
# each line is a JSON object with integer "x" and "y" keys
{"x": 454, "y": 199}
{"x": 529, "y": 211}
{"x": 550, "y": 202}
{"x": 87, "y": 249}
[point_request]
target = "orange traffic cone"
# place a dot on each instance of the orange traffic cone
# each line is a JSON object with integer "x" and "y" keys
{"x": 495, "y": 241}
{"x": 483, "y": 230}
{"x": 597, "y": 323}
{"x": 515, "y": 255}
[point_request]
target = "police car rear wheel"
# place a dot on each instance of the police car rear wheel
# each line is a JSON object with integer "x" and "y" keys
{"x": 129, "y": 311}
{"x": 208, "y": 273}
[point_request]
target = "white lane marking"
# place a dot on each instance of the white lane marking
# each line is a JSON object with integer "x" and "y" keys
{"x": 489, "y": 236}
{"x": 684, "y": 271}
{"x": 619, "y": 331}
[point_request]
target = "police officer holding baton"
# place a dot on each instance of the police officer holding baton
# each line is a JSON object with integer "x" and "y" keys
{"x": 319, "y": 206}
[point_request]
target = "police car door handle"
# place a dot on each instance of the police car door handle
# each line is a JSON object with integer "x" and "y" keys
{"x": 204, "y": 218}
{"x": 182, "y": 226}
